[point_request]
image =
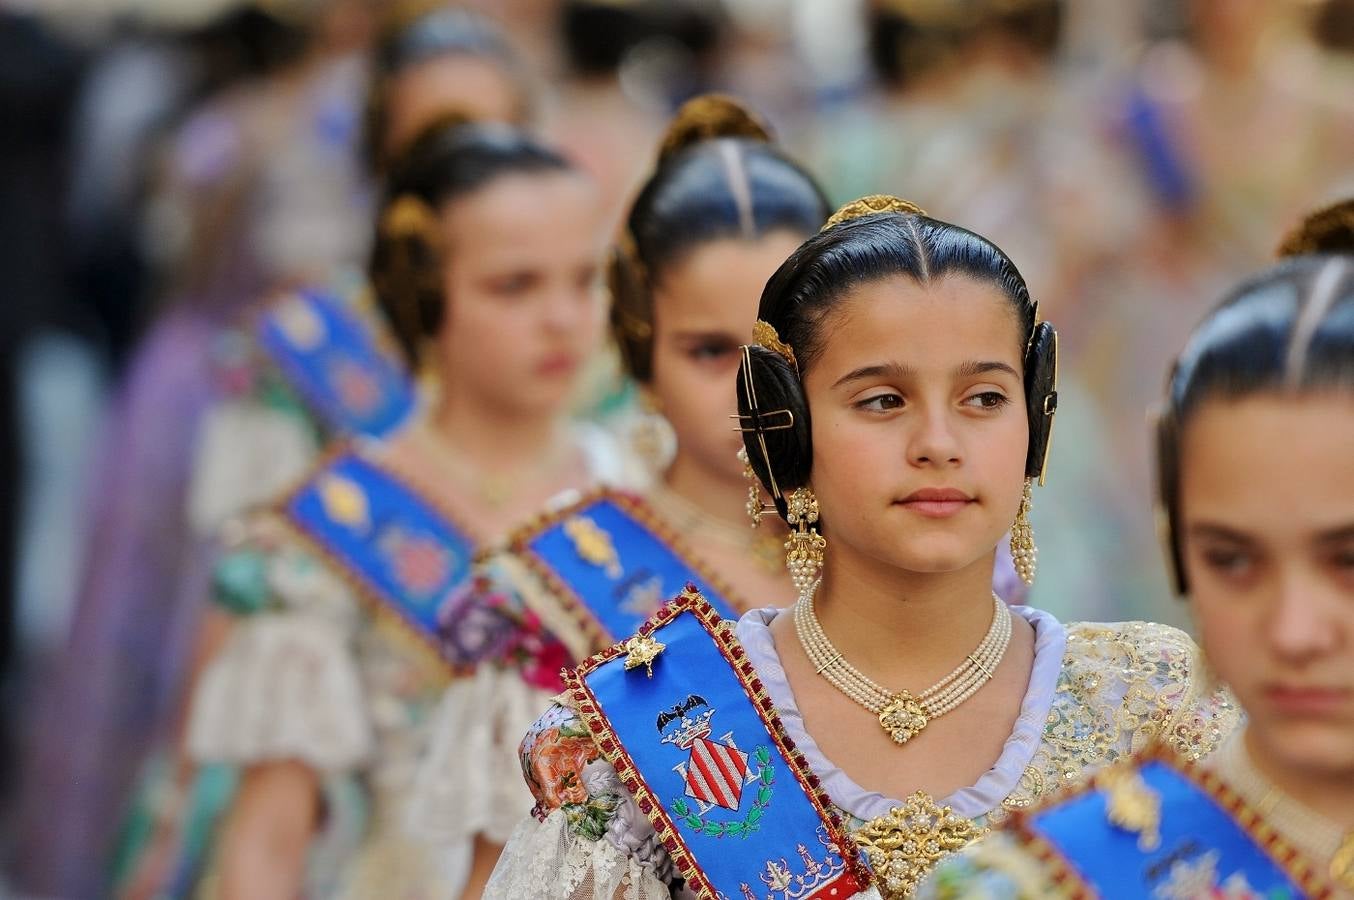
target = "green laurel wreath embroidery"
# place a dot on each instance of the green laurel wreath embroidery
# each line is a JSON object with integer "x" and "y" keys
{"x": 766, "y": 779}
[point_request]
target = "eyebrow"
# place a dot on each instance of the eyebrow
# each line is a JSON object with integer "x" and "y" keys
{"x": 1219, "y": 532}
{"x": 1337, "y": 535}
{"x": 897, "y": 370}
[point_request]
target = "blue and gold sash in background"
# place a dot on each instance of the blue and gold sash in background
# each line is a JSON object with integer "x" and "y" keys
{"x": 679, "y": 712}
{"x": 612, "y": 562}
{"x": 406, "y": 556}
{"x": 1159, "y": 826}
{"x": 335, "y": 361}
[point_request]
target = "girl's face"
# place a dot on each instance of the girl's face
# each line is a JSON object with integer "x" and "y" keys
{"x": 919, "y": 423}
{"x": 468, "y": 85}
{"x": 704, "y": 308}
{"x": 524, "y": 307}
{"x": 1267, "y": 530}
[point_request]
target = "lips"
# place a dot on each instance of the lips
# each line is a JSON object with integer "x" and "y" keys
{"x": 1308, "y": 701}
{"x": 557, "y": 364}
{"x": 937, "y": 503}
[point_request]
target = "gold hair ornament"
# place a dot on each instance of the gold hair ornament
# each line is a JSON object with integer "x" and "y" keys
{"x": 871, "y": 204}
{"x": 764, "y": 335}
{"x": 408, "y": 217}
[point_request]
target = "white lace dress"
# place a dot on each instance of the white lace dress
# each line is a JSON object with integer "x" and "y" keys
{"x": 1096, "y": 692}
{"x": 315, "y": 672}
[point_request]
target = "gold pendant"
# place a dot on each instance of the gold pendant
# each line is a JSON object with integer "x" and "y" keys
{"x": 642, "y": 650}
{"x": 1342, "y": 864}
{"x": 903, "y": 718}
{"x": 905, "y": 845}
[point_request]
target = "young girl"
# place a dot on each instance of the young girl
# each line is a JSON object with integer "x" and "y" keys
{"x": 1254, "y": 446}
{"x": 485, "y": 264}
{"x": 722, "y": 209}
{"x": 896, "y": 409}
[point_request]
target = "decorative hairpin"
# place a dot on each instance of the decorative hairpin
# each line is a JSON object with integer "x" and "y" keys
{"x": 764, "y": 335}
{"x": 408, "y": 216}
{"x": 871, "y": 204}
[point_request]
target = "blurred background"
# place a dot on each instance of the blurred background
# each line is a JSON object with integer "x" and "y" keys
{"x": 1133, "y": 157}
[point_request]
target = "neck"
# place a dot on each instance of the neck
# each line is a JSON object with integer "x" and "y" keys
{"x": 903, "y": 628}
{"x": 489, "y": 436}
{"x": 711, "y": 492}
{"x": 1330, "y": 795}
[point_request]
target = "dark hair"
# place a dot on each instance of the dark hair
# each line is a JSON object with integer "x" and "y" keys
{"x": 717, "y": 177}
{"x": 812, "y": 282}
{"x": 447, "y": 161}
{"x": 1290, "y": 328}
{"x": 443, "y": 32}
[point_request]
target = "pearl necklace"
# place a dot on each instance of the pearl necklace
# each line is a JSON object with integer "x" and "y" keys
{"x": 902, "y": 714}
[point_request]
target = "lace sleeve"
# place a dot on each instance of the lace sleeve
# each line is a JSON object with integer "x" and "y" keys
{"x": 287, "y": 684}
{"x": 586, "y": 838}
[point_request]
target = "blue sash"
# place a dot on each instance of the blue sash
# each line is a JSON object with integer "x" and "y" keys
{"x": 333, "y": 359}
{"x": 611, "y": 560}
{"x": 405, "y": 555}
{"x": 1203, "y": 836}
{"x": 680, "y": 713}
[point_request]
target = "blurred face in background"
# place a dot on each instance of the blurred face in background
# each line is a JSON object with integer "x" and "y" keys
{"x": 704, "y": 306}
{"x": 524, "y": 305}
{"x": 1267, "y": 531}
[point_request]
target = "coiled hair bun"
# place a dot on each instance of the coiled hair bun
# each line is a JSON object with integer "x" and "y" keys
{"x": 1328, "y": 230}
{"x": 708, "y": 117}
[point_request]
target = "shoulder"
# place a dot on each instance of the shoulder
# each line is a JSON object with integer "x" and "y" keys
{"x": 1152, "y": 680}
{"x": 565, "y": 770}
{"x": 268, "y": 567}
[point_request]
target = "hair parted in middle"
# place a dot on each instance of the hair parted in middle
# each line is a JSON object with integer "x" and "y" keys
{"x": 861, "y": 247}
{"x": 718, "y": 176}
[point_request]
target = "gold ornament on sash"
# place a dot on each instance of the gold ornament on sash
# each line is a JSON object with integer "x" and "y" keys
{"x": 1132, "y": 805}
{"x": 871, "y": 204}
{"x": 593, "y": 544}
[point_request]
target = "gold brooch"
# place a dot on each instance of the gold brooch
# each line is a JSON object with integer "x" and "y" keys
{"x": 593, "y": 545}
{"x": 642, "y": 650}
{"x": 904, "y": 845}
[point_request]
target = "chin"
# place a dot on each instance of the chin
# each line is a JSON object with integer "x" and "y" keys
{"x": 1318, "y": 749}
{"x": 935, "y": 557}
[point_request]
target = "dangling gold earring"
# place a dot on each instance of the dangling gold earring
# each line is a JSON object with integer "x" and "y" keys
{"x": 651, "y": 435}
{"x": 804, "y": 549}
{"x": 756, "y": 507}
{"x": 1024, "y": 553}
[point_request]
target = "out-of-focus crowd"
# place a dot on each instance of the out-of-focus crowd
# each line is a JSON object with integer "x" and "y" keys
{"x": 166, "y": 166}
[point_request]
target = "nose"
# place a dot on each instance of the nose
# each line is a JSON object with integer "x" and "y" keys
{"x": 934, "y": 442}
{"x": 565, "y": 308}
{"x": 1299, "y": 628}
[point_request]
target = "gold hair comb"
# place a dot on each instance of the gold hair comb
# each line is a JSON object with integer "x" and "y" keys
{"x": 871, "y": 204}
{"x": 764, "y": 335}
